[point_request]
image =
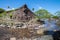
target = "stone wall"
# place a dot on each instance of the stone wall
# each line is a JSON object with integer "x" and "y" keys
{"x": 45, "y": 37}
{"x": 23, "y": 14}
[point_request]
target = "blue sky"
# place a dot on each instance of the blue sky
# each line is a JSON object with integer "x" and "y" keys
{"x": 50, "y": 5}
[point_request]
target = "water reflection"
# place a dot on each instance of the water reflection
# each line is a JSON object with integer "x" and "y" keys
{"x": 51, "y": 25}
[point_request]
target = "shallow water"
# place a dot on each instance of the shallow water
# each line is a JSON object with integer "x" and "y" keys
{"x": 51, "y": 25}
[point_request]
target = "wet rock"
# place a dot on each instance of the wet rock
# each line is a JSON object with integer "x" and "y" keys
{"x": 56, "y": 35}
{"x": 41, "y": 22}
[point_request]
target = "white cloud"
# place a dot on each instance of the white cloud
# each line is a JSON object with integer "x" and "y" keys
{"x": 13, "y": 8}
{"x": 40, "y": 8}
{"x": 10, "y": 9}
{"x": 7, "y": 9}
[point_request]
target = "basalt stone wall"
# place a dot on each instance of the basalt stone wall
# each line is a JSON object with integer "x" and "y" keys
{"x": 23, "y": 14}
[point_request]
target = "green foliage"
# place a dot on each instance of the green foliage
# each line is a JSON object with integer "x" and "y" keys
{"x": 56, "y": 17}
{"x": 3, "y": 14}
{"x": 42, "y": 13}
{"x": 10, "y": 15}
{"x": 32, "y": 9}
{"x": 0, "y": 15}
{"x": 1, "y": 10}
{"x": 58, "y": 13}
{"x": 8, "y": 6}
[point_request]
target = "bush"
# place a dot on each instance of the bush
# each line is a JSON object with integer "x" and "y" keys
{"x": 56, "y": 17}
{"x": 0, "y": 15}
{"x": 10, "y": 15}
{"x": 1, "y": 10}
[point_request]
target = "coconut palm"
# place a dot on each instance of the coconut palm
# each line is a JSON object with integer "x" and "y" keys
{"x": 8, "y": 6}
{"x": 32, "y": 9}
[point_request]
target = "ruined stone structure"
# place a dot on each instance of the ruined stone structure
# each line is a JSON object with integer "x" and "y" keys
{"x": 23, "y": 14}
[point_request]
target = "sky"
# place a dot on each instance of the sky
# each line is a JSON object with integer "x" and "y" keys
{"x": 50, "y": 5}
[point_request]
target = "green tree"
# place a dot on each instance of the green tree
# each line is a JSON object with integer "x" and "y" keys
{"x": 8, "y": 6}
{"x": 58, "y": 13}
{"x": 42, "y": 13}
{"x": 32, "y": 9}
{"x": 1, "y": 10}
{"x": 56, "y": 17}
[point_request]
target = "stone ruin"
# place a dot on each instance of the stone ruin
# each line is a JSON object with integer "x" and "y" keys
{"x": 23, "y": 14}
